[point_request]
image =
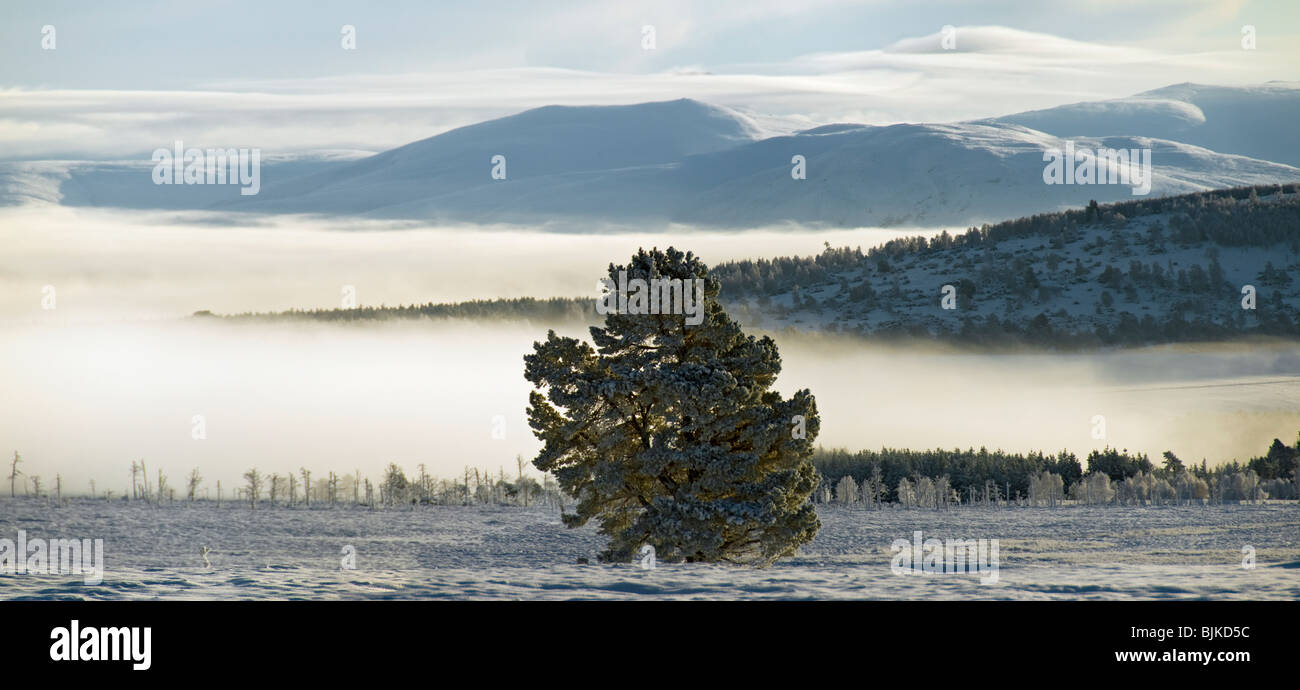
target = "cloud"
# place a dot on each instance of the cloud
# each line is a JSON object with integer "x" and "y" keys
{"x": 994, "y": 71}
{"x": 1001, "y": 39}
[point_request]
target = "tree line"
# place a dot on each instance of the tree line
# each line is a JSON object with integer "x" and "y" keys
{"x": 867, "y": 296}
{"x": 939, "y": 478}
{"x": 507, "y": 309}
{"x": 306, "y": 488}
{"x": 912, "y": 478}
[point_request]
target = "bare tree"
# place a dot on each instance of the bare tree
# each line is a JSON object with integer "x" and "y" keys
{"x": 906, "y": 493}
{"x": 393, "y": 489}
{"x": 14, "y": 472}
{"x": 92, "y": 488}
{"x": 192, "y": 483}
{"x": 58, "y": 488}
{"x": 36, "y": 484}
{"x": 846, "y": 491}
{"x": 306, "y": 485}
{"x": 943, "y": 492}
{"x": 519, "y": 462}
{"x": 275, "y": 487}
{"x": 254, "y": 479}
{"x": 293, "y": 489}
{"x": 134, "y": 469}
{"x": 162, "y": 486}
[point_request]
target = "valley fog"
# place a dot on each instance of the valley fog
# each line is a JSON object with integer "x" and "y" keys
{"x": 84, "y": 401}
{"x": 112, "y": 374}
{"x": 109, "y": 265}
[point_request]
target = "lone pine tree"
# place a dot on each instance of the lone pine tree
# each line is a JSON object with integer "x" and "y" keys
{"x": 668, "y": 434}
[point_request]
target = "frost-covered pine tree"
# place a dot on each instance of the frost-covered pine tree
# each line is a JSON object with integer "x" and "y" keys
{"x": 669, "y": 434}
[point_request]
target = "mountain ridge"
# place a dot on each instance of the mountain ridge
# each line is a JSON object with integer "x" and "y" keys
{"x": 688, "y": 162}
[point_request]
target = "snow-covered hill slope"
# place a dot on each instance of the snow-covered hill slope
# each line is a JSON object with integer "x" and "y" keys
{"x": 930, "y": 175}
{"x": 635, "y": 163}
{"x": 542, "y": 148}
{"x": 129, "y": 184}
{"x": 689, "y": 162}
{"x": 1156, "y": 270}
{"x": 1257, "y": 121}
{"x": 1151, "y": 271}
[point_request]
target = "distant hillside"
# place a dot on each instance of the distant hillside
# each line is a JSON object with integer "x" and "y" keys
{"x": 1152, "y": 271}
{"x": 545, "y": 151}
{"x": 1208, "y": 116}
{"x": 1139, "y": 272}
{"x": 689, "y": 162}
{"x": 577, "y": 168}
{"x": 553, "y": 310}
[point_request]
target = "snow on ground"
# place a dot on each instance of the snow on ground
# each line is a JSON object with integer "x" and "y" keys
{"x": 440, "y": 552}
{"x": 1072, "y": 302}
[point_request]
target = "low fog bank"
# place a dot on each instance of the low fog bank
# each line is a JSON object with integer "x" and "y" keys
{"x": 110, "y": 375}
{"x": 85, "y": 400}
{"x": 108, "y": 265}
{"x": 1216, "y": 402}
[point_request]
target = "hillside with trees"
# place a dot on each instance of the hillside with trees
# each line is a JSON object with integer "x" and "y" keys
{"x": 1212, "y": 265}
{"x": 1139, "y": 272}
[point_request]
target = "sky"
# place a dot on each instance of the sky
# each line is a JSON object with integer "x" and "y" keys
{"x": 125, "y": 78}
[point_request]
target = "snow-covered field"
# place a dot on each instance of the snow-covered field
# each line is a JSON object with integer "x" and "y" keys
{"x": 440, "y": 552}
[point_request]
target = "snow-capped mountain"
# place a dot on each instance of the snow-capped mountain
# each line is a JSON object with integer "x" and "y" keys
{"x": 1258, "y": 121}
{"x": 543, "y": 149}
{"x": 690, "y": 162}
{"x": 922, "y": 175}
